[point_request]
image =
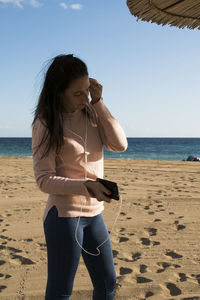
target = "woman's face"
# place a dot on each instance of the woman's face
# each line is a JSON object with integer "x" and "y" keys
{"x": 76, "y": 96}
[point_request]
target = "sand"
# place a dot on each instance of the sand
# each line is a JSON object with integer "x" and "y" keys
{"x": 156, "y": 240}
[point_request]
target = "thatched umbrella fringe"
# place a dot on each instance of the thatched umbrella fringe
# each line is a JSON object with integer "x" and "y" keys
{"x": 154, "y": 18}
{"x": 182, "y": 13}
{"x": 172, "y": 22}
{"x": 144, "y": 6}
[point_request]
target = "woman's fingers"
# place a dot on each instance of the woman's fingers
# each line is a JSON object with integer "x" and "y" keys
{"x": 95, "y": 86}
{"x": 104, "y": 189}
{"x": 98, "y": 190}
{"x": 105, "y": 192}
{"x": 93, "y": 81}
{"x": 95, "y": 90}
{"x": 102, "y": 197}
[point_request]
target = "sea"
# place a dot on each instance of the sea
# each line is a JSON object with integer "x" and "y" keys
{"x": 169, "y": 149}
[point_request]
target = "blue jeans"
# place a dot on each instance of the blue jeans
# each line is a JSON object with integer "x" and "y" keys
{"x": 63, "y": 255}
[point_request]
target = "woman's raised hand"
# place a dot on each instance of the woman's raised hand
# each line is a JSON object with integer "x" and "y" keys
{"x": 95, "y": 90}
{"x": 97, "y": 190}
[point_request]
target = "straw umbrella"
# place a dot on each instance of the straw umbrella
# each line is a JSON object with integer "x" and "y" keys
{"x": 179, "y": 13}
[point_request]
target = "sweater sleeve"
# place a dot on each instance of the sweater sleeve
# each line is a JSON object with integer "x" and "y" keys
{"x": 45, "y": 168}
{"x": 111, "y": 132}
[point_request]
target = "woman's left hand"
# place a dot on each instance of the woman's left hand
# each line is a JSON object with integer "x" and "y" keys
{"x": 95, "y": 90}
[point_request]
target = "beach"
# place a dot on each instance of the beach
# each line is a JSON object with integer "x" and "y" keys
{"x": 156, "y": 240}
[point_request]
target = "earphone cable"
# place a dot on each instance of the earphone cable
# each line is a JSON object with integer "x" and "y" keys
{"x": 77, "y": 225}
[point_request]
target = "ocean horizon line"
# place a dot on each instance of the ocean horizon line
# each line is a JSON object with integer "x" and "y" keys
{"x": 142, "y": 148}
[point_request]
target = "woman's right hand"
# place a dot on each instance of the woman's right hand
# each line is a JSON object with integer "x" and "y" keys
{"x": 97, "y": 190}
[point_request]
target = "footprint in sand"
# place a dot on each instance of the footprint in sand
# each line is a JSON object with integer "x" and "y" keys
{"x": 143, "y": 279}
{"x": 164, "y": 265}
{"x": 115, "y": 253}
{"x": 136, "y": 256}
{"x": 11, "y": 249}
{"x": 155, "y": 243}
{"x": 122, "y": 213}
{"x": 42, "y": 246}
{"x": 151, "y": 212}
{"x": 133, "y": 258}
{"x": 123, "y": 239}
{"x": 147, "y": 242}
{"x": 149, "y": 294}
{"x": 176, "y": 266}
{"x": 146, "y": 207}
{"x": 28, "y": 240}
{"x": 2, "y": 287}
{"x": 157, "y": 220}
{"x": 152, "y": 231}
{"x": 6, "y": 238}
{"x": 158, "y": 201}
{"x": 130, "y": 234}
{"x": 179, "y": 226}
{"x": 174, "y": 290}
{"x": 124, "y": 271}
{"x": 2, "y": 262}
{"x": 182, "y": 277}
{"x": 5, "y": 276}
{"x": 173, "y": 254}
{"x": 143, "y": 268}
{"x": 197, "y": 277}
{"x": 16, "y": 259}
{"x": 4, "y": 243}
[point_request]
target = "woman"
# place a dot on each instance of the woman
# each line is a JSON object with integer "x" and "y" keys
{"x": 68, "y": 136}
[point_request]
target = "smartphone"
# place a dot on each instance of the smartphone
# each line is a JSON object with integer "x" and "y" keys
{"x": 112, "y": 186}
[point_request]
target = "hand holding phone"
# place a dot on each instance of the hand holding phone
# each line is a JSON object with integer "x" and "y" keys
{"x": 112, "y": 186}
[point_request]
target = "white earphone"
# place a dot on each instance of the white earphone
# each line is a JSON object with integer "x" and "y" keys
{"x": 86, "y": 154}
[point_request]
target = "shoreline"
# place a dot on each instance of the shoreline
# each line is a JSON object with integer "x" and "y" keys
{"x": 117, "y": 159}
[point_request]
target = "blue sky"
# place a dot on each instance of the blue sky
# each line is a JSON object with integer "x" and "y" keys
{"x": 150, "y": 74}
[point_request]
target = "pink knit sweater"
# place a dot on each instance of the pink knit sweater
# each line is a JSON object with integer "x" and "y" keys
{"x": 62, "y": 176}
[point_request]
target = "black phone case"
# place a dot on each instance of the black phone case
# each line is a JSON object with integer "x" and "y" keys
{"x": 112, "y": 186}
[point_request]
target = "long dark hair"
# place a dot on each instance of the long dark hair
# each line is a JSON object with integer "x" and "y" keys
{"x": 61, "y": 72}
